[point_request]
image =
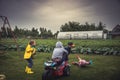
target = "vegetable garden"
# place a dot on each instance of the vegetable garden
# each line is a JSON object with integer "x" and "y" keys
{"x": 103, "y": 47}
{"x": 104, "y": 67}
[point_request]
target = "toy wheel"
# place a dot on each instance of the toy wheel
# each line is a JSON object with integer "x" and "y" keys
{"x": 67, "y": 71}
{"x": 47, "y": 75}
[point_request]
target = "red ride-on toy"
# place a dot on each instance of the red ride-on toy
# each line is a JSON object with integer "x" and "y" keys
{"x": 53, "y": 71}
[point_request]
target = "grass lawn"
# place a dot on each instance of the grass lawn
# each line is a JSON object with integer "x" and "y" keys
{"x": 103, "y": 68}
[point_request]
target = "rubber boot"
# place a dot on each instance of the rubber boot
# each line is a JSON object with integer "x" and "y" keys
{"x": 29, "y": 71}
{"x": 26, "y": 69}
{"x": 90, "y": 62}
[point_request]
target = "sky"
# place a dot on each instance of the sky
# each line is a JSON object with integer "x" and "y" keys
{"x": 51, "y": 14}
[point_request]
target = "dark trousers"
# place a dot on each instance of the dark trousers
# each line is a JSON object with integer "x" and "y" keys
{"x": 65, "y": 57}
{"x": 30, "y": 62}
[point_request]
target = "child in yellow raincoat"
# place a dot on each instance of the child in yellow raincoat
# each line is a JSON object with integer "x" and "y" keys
{"x": 30, "y": 50}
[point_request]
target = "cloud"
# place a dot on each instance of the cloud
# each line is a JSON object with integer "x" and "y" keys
{"x": 60, "y": 11}
{"x": 53, "y": 13}
{"x": 107, "y": 11}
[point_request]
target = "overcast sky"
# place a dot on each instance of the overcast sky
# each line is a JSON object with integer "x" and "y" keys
{"x": 51, "y": 14}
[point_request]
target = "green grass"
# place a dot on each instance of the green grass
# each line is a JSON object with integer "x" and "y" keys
{"x": 12, "y": 64}
{"x": 51, "y": 42}
{"x": 103, "y": 68}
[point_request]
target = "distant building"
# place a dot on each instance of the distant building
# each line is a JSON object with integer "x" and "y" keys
{"x": 115, "y": 33}
{"x": 82, "y": 35}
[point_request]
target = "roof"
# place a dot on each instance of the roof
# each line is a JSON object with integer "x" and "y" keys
{"x": 116, "y": 30}
{"x": 81, "y": 32}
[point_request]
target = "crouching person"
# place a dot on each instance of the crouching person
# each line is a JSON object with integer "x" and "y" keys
{"x": 58, "y": 53}
{"x": 30, "y": 50}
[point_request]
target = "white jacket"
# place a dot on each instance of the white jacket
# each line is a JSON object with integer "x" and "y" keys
{"x": 59, "y": 51}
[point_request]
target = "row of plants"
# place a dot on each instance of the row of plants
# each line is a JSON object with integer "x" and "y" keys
{"x": 103, "y": 47}
{"x": 77, "y": 49}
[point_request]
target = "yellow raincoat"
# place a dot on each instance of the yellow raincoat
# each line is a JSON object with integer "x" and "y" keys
{"x": 29, "y": 51}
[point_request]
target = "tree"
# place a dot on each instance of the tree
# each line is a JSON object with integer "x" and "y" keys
{"x": 4, "y": 32}
{"x": 49, "y": 33}
{"x": 70, "y": 26}
{"x": 34, "y": 32}
{"x": 92, "y": 26}
{"x": 44, "y": 33}
{"x": 100, "y": 26}
{"x": 56, "y": 34}
{"x": 9, "y": 32}
{"x": 16, "y": 31}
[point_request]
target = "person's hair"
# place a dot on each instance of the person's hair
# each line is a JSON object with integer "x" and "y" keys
{"x": 70, "y": 43}
{"x": 31, "y": 42}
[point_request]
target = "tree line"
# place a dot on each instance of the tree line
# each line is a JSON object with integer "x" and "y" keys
{"x": 21, "y": 33}
{"x": 34, "y": 33}
{"x": 76, "y": 26}
{"x": 44, "y": 33}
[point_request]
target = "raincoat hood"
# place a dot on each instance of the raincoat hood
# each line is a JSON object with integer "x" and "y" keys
{"x": 59, "y": 44}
